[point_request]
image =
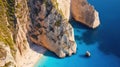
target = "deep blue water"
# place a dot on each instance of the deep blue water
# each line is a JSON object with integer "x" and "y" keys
{"x": 103, "y": 42}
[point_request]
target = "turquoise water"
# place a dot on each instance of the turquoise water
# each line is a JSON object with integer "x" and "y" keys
{"x": 103, "y": 42}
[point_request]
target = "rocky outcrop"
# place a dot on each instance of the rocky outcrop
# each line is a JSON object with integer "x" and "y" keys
{"x": 6, "y": 58}
{"x": 22, "y": 21}
{"x": 7, "y": 46}
{"x": 83, "y": 12}
{"x": 14, "y": 18}
{"x": 44, "y": 23}
{"x": 50, "y": 29}
{"x": 64, "y": 6}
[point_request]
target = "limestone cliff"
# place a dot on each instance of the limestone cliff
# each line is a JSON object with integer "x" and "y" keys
{"x": 7, "y": 45}
{"x": 64, "y": 6}
{"x": 43, "y": 22}
{"x": 83, "y": 12}
{"x": 14, "y": 18}
{"x": 22, "y": 21}
{"x": 6, "y": 58}
{"x": 50, "y": 29}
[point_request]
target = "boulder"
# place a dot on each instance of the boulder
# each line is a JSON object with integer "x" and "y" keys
{"x": 87, "y": 54}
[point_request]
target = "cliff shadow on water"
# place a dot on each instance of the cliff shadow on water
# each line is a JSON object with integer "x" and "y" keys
{"x": 89, "y": 36}
{"x": 51, "y": 54}
{"x": 106, "y": 43}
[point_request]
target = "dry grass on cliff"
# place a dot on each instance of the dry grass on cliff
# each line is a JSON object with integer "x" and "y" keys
{"x": 6, "y": 13}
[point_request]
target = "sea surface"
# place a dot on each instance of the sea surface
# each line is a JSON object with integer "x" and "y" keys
{"x": 103, "y": 42}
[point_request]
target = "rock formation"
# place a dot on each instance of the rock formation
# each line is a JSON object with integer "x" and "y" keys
{"x": 87, "y": 54}
{"x": 22, "y": 22}
{"x": 6, "y": 58}
{"x": 43, "y": 22}
{"x": 50, "y": 29}
{"x": 84, "y": 13}
{"x": 64, "y": 6}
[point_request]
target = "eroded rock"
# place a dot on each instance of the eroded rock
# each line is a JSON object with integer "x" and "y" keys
{"x": 6, "y": 56}
{"x": 64, "y": 6}
{"x": 53, "y": 32}
{"x": 84, "y": 13}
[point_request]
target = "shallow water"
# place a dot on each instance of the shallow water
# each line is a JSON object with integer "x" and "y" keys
{"x": 103, "y": 42}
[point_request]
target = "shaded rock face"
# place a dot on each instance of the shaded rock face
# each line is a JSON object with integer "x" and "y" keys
{"x": 85, "y": 13}
{"x": 49, "y": 28}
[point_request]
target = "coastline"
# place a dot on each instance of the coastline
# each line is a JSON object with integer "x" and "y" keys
{"x": 33, "y": 55}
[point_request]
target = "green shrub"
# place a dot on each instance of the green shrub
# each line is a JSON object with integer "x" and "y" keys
{"x": 7, "y": 10}
{"x": 18, "y": 5}
{"x": 57, "y": 23}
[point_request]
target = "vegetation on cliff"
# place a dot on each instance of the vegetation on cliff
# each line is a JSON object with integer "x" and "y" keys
{"x": 55, "y": 4}
{"x": 7, "y": 23}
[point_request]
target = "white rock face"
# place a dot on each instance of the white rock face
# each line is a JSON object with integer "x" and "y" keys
{"x": 96, "y": 22}
{"x": 7, "y": 58}
{"x": 64, "y": 6}
{"x": 22, "y": 44}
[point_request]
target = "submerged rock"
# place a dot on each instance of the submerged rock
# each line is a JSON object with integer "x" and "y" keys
{"x": 84, "y": 13}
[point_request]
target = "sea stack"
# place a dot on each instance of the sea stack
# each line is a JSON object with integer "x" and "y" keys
{"x": 84, "y": 13}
